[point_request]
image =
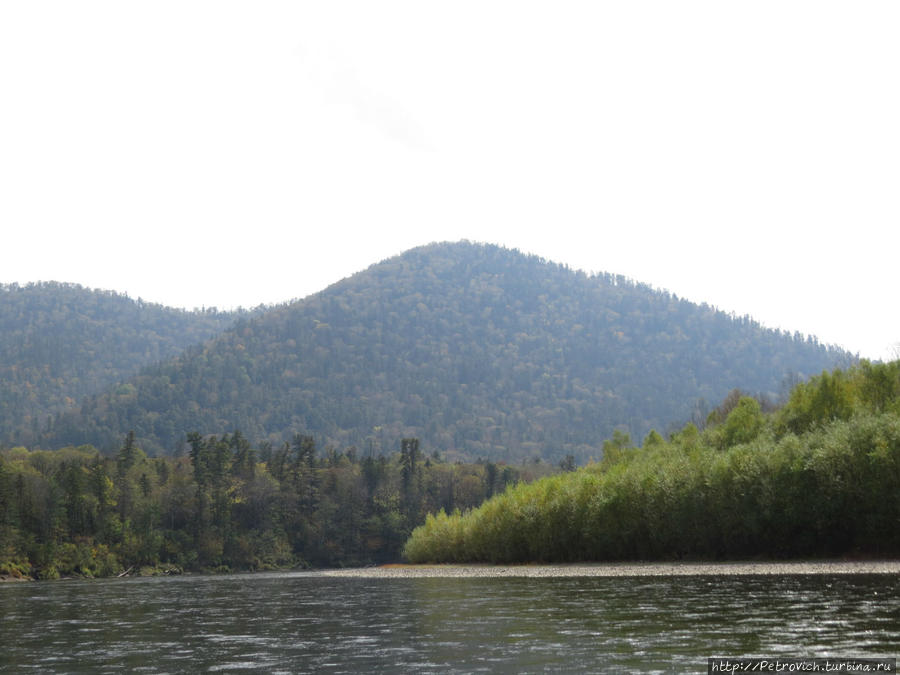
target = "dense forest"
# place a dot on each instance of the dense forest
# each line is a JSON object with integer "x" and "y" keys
{"x": 817, "y": 476}
{"x": 61, "y": 342}
{"x": 227, "y": 505}
{"x": 479, "y": 351}
{"x": 820, "y": 476}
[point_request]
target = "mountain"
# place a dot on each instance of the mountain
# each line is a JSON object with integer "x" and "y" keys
{"x": 61, "y": 342}
{"x": 477, "y": 350}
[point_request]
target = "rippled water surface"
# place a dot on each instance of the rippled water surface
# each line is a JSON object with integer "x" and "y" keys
{"x": 304, "y": 622}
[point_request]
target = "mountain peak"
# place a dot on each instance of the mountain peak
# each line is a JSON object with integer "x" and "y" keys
{"x": 478, "y": 350}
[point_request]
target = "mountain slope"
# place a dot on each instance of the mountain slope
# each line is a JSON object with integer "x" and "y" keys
{"x": 62, "y": 342}
{"x": 477, "y": 350}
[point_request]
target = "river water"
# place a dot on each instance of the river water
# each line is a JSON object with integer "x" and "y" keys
{"x": 308, "y": 622}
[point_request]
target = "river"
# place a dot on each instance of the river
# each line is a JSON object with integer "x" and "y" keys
{"x": 308, "y": 622}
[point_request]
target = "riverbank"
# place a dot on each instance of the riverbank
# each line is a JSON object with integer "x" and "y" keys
{"x": 622, "y": 569}
{"x": 404, "y": 571}
{"x": 10, "y": 579}
{"x": 17, "y": 574}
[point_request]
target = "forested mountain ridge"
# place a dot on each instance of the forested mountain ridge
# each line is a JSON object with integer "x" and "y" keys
{"x": 61, "y": 342}
{"x": 477, "y": 350}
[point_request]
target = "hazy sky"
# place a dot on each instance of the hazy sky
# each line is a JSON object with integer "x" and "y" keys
{"x": 236, "y": 153}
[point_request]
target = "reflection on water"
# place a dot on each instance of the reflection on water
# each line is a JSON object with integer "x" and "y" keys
{"x": 304, "y": 622}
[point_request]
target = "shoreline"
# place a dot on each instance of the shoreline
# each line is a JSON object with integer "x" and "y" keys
{"x": 570, "y": 570}
{"x": 461, "y": 571}
{"x": 9, "y": 579}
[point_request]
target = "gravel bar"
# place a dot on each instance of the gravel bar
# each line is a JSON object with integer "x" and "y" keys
{"x": 619, "y": 570}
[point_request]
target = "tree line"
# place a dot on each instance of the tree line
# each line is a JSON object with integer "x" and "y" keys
{"x": 819, "y": 476}
{"x": 226, "y": 504}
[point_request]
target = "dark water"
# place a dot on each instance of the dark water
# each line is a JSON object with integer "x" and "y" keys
{"x": 305, "y": 622}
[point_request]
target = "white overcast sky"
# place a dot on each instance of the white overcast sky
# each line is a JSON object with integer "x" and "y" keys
{"x": 236, "y": 153}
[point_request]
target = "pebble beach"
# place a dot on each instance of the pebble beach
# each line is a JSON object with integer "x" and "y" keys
{"x": 620, "y": 569}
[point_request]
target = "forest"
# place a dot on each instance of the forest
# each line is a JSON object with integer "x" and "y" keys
{"x": 60, "y": 343}
{"x": 479, "y": 351}
{"x": 815, "y": 477}
{"x": 818, "y": 476}
{"x": 225, "y": 505}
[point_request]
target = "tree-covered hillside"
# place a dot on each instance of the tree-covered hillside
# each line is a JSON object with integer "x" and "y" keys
{"x": 477, "y": 350}
{"x": 62, "y": 342}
